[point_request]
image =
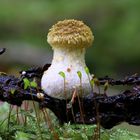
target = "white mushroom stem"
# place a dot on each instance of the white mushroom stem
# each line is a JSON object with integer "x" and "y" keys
{"x": 69, "y": 39}
{"x": 69, "y": 57}
{"x": 68, "y": 60}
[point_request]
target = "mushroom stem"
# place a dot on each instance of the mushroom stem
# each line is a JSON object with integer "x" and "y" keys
{"x": 69, "y": 61}
{"x": 69, "y": 57}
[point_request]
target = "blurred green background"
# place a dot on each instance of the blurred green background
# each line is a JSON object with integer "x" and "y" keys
{"x": 24, "y": 25}
{"x": 115, "y": 23}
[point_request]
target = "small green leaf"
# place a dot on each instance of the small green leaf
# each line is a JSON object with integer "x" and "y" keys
{"x": 87, "y": 70}
{"x": 79, "y": 74}
{"x": 12, "y": 91}
{"x": 33, "y": 84}
{"x": 62, "y": 74}
{"x": 26, "y": 83}
{"x": 92, "y": 82}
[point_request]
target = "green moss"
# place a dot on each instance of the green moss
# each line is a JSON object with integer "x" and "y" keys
{"x": 66, "y": 132}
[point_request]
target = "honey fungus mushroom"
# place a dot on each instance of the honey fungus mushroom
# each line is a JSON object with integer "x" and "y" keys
{"x": 69, "y": 40}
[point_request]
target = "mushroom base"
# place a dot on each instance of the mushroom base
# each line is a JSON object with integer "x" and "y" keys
{"x": 68, "y": 61}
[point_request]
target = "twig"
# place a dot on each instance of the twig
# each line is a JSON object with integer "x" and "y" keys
{"x": 112, "y": 110}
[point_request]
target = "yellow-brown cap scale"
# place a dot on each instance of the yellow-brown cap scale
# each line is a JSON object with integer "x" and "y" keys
{"x": 70, "y": 33}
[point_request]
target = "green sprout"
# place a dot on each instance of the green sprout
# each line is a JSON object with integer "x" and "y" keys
{"x": 12, "y": 91}
{"x": 33, "y": 84}
{"x": 61, "y": 73}
{"x": 92, "y": 83}
{"x": 28, "y": 83}
{"x": 79, "y": 74}
{"x": 87, "y": 70}
{"x": 80, "y": 77}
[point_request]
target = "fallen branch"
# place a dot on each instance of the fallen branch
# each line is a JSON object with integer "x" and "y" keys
{"x": 112, "y": 110}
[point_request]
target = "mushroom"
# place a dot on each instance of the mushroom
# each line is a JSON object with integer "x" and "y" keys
{"x": 69, "y": 40}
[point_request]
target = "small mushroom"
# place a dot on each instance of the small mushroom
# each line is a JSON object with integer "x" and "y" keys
{"x": 69, "y": 40}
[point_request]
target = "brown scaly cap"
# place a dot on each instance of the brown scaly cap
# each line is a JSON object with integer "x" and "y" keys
{"x": 70, "y": 33}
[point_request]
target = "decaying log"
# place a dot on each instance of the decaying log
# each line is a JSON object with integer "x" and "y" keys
{"x": 111, "y": 110}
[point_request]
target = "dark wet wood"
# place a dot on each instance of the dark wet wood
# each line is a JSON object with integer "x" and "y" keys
{"x": 111, "y": 110}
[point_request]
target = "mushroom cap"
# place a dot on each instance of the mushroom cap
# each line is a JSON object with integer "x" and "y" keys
{"x": 70, "y": 33}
